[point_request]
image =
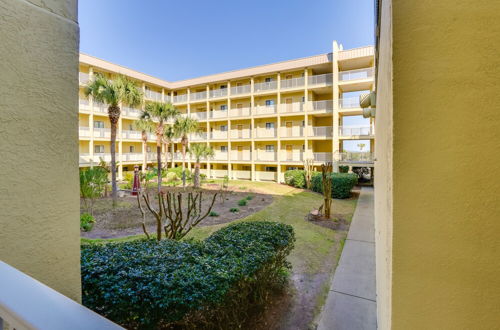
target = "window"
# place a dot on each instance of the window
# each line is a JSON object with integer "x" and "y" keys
{"x": 148, "y": 149}
{"x": 247, "y": 168}
{"x": 288, "y": 76}
{"x": 303, "y": 123}
{"x": 223, "y": 107}
{"x": 290, "y": 168}
{"x": 303, "y": 98}
{"x": 98, "y": 124}
{"x": 223, "y": 148}
{"x": 223, "y": 86}
{"x": 270, "y": 169}
{"x": 99, "y": 149}
{"x": 269, "y": 79}
{"x": 224, "y": 167}
{"x": 269, "y": 148}
{"x": 269, "y": 103}
{"x": 269, "y": 125}
{"x": 303, "y": 147}
{"x": 131, "y": 149}
{"x": 223, "y": 128}
{"x": 131, "y": 127}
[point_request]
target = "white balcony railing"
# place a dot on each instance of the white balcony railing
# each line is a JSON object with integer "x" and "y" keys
{"x": 293, "y": 131}
{"x": 355, "y": 131}
{"x": 356, "y": 74}
{"x": 200, "y": 136}
{"x": 84, "y": 104}
{"x": 292, "y": 83}
{"x": 265, "y": 133}
{"x": 26, "y": 303}
{"x": 242, "y": 175}
{"x": 239, "y": 112}
{"x": 102, "y": 132}
{"x": 349, "y": 103}
{"x": 180, "y": 98}
{"x": 131, "y": 112}
{"x": 197, "y": 96}
{"x": 152, "y": 95}
{"x": 220, "y": 155}
{"x": 292, "y": 107}
{"x": 321, "y": 131}
{"x": 100, "y": 107}
{"x": 322, "y": 156}
{"x": 218, "y": 114}
{"x": 218, "y": 93}
{"x": 266, "y": 176}
{"x": 201, "y": 115}
{"x": 84, "y": 132}
{"x": 291, "y": 155}
{"x": 356, "y": 157}
{"x": 218, "y": 173}
{"x": 132, "y": 157}
{"x": 266, "y": 156}
{"x": 325, "y": 105}
{"x": 218, "y": 135}
{"x": 105, "y": 156}
{"x": 244, "y": 133}
{"x": 83, "y": 78}
{"x": 264, "y": 109}
{"x": 322, "y": 79}
{"x": 244, "y": 89}
{"x": 265, "y": 86}
{"x": 131, "y": 135}
{"x": 243, "y": 155}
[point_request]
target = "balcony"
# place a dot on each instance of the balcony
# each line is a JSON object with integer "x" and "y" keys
{"x": 215, "y": 93}
{"x": 201, "y": 115}
{"x": 244, "y": 89}
{"x": 265, "y": 86}
{"x": 180, "y": 98}
{"x": 266, "y": 176}
{"x": 218, "y": 173}
{"x": 218, "y": 135}
{"x": 262, "y": 133}
{"x": 242, "y": 175}
{"x": 349, "y": 103}
{"x": 240, "y": 112}
{"x": 132, "y": 157}
{"x": 356, "y": 74}
{"x": 83, "y": 78}
{"x": 100, "y": 107}
{"x": 356, "y": 157}
{"x": 350, "y": 131}
{"x": 131, "y": 112}
{"x": 84, "y": 132}
{"x": 322, "y": 79}
{"x": 241, "y": 155}
{"x": 84, "y": 105}
{"x": 321, "y": 131}
{"x": 325, "y": 105}
{"x": 264, "y": 110}
{"x": 197, "y": 96}
{"x": 131, "y": 135}
{"x": 152, "y": 95}
{"x": 293, "y": 131}
{"x": 200, "y": 136}
{"x": 292, "y": 83}
{"x": 244, "y": 133}
{"x": 266, "y": 156}
{"x": 322, "y": 156}
{"x": 295, "y": 107}
{"x": 220, "y": 155}
{"x": 292, "y": 155}
{"x": 102, "y": 133}
{"x": 218, "y": 114}
{"x": 98, "y": 156}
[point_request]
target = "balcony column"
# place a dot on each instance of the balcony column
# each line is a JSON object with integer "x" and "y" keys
{"x": 305, "y": 132}
{"x": 91, "y": 121}
{"x": 252, "y": 130}
{"x": 163, "y": 95}
{"x": 278, "y": 129}
{"x": 120, "y": 147}
{"x": 229, "y": 169}
{"x": 335, "y": 97}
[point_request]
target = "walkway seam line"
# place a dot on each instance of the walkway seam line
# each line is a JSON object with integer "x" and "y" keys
{"x": 347, "y": 294}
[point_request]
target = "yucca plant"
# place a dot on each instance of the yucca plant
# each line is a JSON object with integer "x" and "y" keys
{"x": 199, "y": 151}
{"x": 115, "y": 93}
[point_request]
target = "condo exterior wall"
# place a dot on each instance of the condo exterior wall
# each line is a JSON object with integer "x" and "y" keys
{"x": 39, "y": 202}
{"x": 437, "y": 204}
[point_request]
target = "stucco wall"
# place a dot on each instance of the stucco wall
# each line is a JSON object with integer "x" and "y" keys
{"x": 445, "y": 156}
{"x": 39, "y": 226}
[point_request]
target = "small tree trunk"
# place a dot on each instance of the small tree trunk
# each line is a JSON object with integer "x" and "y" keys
{"x": 144, "y": 154}
{"x": 158, "y": 158}
{"x": 166, "y": 155}
{"x": 183, "y": 164}
{"x": 114, "y": 189}
{"x": 196, "y": 180}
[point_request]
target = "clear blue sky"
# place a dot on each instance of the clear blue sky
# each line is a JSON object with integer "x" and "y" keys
{"x": 176, "y": 40}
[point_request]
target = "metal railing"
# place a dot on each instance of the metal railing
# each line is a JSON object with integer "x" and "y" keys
{"x": 220, "y": 155}
{"x": 102, "y": 132}
{"x": 200, "y": 136}
{"x": 131, "y": 134}
{"x": 265, "y": 86}
{"x": 239, "y": 112}
{"x": 197, "y": 96}
{"x": 218, "y": 114}
{"x": 152, "y": 95}
{"x": 83, "y": 78}
{"x": 242, "y": 175}
{"x": 218, "y": 93}
{"x": 132, "y": 157}
{"x": 243, "y": 155}
{"x": 264, "y": 109}
{"x": 356, "y": 74}
{"x": 218, "y": 135}
{"x": 349, "y": 103}
{"x": 180, "y": 98}
{"x": 201, "y": 115}
{"x": 356, "y": 157}
{"x": 321, "y": 131}
{"x": 294, "y": 131}
{"x": 131, "y": 112}
{"x": 321, "y": 79}
{"x": 84, "y": 104}
{"x": 325, "y": 105}
{"x": 292, "y": 83}
{"x": 266, "y": 156}
{"x": 266, "y": 176}
{"x": 322, "y": 156}
{"x": 244, "y": 89}
{"x": 291, "y": 156}
{"x": 83, "y": 131}
{"x": 100, "y": 107}
{"x": 292, "y": 107}
{"x": 355, "y": 131}
{"x": 244, "y": 133}
{"x": 265, "y": 133}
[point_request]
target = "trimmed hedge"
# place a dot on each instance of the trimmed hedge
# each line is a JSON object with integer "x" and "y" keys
{"x": 149, "y": 284}
{"x": 296, "y": 178}
{"x": 342, "y": 183}
{"x": 343, "y": 169}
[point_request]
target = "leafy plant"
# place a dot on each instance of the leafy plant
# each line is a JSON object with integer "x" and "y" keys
{"x": 199, "y": 151}
{"x": 234, "y": 210}
{"x": 242, "y": 202}
{"x": 296, "y": 178}
{"x": 249, "y": 197}
{"x": 343, "y": 168}
{"x": 342, "y": 183}
{"x": 213, "y": 214}
{"x": 92, "y": 185}
{"x": 86, "y": 222}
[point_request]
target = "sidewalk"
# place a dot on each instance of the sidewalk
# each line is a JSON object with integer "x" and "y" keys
{"x": 351, "y": 301}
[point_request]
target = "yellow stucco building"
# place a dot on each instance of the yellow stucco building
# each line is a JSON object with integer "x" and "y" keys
{"x": 260, "y": 121}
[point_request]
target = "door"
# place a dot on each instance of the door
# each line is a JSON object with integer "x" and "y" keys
{"x": 240, "y": 153}
{"x": 240, "y": 131}
{"x": 289, "y": 152}
{"x": 288, "y": 128}
{"x": 239, "y": 106}
{"x": 289, "y": 105}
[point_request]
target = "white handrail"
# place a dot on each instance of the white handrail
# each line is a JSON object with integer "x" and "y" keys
{"x": 356, "y": 74}
{"x": 292, "y": 83}
{"x": 25, "y": 303}
{"x": 241, "y": 89}
{"x": 326, "y": 78}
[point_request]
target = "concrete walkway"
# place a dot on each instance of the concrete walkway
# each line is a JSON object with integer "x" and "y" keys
{"x": 351, "y": 301}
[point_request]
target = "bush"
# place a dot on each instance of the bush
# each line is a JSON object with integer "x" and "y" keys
{"x": 178, "y": 172}
{"x": 213, "y": 214}
{"x": 343, "y": 168}
{"x": 342, "y": 183}
{"x": 249, "y": 197}
{"x": 296, "y": 178}
{"x": 86, "y": 222}
{"x": 171, "y": 177}
{"x": 208, "y": 284}
{"x": 242, "y": 202}
{"x": 234, "y": 210}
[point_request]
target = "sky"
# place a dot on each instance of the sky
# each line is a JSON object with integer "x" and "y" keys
{"x": 175, "y": 40}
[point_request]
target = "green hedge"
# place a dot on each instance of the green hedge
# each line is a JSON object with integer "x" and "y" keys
{"x": 342, "y": 183}
{"x": 296, "y": 178}
{"x": 149, "y": 284}
{"x": 343, "y": 169}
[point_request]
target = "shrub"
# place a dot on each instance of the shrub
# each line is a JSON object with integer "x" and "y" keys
{"x": 171, "y": 177}
{"x": 86, "y": 222}
{"x": 342, "y": 183}
{"x": 242, "y": 202}
{"x": 213, "y": 214}
{"x": 207, "y": 284}
{"x": 234, "y": 210}
{"x": 249, "y": 197}
{"x": 296, "y": 178}
{"x": 178, "y": 172}
{"x": 343, "y": 168}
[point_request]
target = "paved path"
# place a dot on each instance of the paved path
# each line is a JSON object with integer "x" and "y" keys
{"x": 351, "y": 301}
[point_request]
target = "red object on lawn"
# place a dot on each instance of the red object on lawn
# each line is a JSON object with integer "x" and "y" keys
{"x": 137, "y": 182}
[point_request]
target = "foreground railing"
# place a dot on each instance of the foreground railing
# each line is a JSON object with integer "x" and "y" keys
{"x": 356, "y": 157}
{"x": 26, "y": 303}
{"x": 356, "y": 74}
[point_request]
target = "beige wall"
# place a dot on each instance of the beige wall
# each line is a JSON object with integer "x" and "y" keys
{"x": 438, "y": 150}
{"x": 39, "y": 226}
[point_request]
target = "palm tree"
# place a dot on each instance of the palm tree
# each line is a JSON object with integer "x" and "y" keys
{"x": 168, "y": 137}
{"x": 160, "y": 113}
{"x": 198, "y": 151}
{"x": 145, "y": 126}
{"x": 115, "y": 93}
{"x": 182, "y": 128}
{"x": 361, "y": 146}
